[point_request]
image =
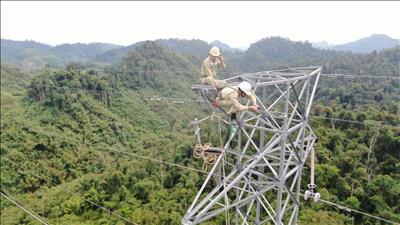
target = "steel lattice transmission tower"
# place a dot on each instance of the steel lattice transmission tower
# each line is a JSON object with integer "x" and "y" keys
{"x": 259, "y": 168}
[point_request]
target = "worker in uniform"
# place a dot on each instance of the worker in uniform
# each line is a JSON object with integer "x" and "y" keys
{"x": 229, "y": 99}
{"x": 209, "y": 69}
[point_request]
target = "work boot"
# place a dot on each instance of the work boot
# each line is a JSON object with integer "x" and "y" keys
{"x": 233, "y": 127}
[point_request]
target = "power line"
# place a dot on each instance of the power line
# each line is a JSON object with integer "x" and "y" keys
{"x": 354, "y": 210}
{"x": 197, "y": 170}
{"x": 190, "y": 168}
{"x": 185, "y": 100}
{"x": 116, "y": 214}
{"x": 194, "y": 169}
{"x": 154, "y": 160}
{"x": 360, "y": 76}
{"x": 235, "y": 72}
{"x": 164, "y": 162}
{"x": 325, "y": 75}
{"x": 98, "y": 206}
{"x": 30, "y": 212}
{"x": 372, "y": 122}
{"x": 148, "y": 97}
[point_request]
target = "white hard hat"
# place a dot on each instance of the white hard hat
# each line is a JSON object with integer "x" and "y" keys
{"x": 214, "y": 51}
{"x": 245, "y": 87}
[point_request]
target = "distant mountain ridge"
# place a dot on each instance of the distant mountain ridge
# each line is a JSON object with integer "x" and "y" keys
{"x": 86, "y": 50}
{"x": 29, "y": 55}
{"x": 375, "y": 42}
{"x": 266, "y": 53}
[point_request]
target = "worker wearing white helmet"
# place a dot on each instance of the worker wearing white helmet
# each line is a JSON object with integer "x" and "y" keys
{"x": 209, "y": 68}
{"x": 230, "y": 98}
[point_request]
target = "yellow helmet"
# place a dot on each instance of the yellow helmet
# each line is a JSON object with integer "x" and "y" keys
{"x": 214, "y": 51}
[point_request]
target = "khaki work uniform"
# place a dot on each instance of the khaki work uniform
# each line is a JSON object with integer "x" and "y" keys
{"x": 230, "y": 99}
{"x": 209, "y": 73}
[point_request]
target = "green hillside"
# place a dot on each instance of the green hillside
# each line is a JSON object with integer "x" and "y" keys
{"x": 76, "y": 138}
{"x": 30, "y": 55}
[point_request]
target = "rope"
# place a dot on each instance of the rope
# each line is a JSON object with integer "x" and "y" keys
{"x": 209, "y": 158}
{"x": 220, "y": 130}
{"x": 199, "y": 152}
{"x": 227, "y": 220}
{"x": 301, "y": 111}
{"x": 30, "y": 212}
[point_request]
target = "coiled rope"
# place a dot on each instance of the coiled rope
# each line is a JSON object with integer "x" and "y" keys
{"x": 200, "y": 152}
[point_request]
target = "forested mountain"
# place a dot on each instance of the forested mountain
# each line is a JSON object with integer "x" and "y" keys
{"x": 78, "y": 51}
{"x": 26, "y": 54}
{"x": 155, "y": 67}
{"x": 266, "y": 53}
{"x": 277, "y": 52}
{"x": 63, "y": 135}
{"x": 13, "y": 46}
{"x": 115, "y": 55}
{"x": 30, "y": 55}
{"x": 194, "y": 50}
{"x": 74, "y": 137}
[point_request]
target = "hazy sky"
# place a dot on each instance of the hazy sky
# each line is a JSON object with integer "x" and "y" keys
{"x": 235, "y": 23}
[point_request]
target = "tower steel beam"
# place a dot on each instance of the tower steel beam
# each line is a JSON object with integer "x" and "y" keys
{"x": 264, "y": 159}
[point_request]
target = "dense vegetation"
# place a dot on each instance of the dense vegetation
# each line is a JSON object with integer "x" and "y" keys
{"x": 31, "y": 55}
{"x": 70, "y": 136}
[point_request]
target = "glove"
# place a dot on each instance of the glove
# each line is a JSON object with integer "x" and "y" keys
{"x": 215, "y": 103}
